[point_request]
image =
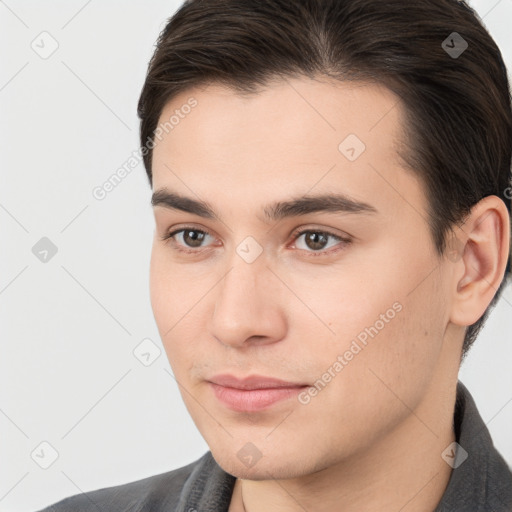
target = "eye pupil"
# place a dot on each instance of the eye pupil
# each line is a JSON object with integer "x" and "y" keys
{"x": 319, "y": 240}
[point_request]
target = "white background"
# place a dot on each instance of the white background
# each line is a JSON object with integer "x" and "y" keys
{"x": 69, "y": 326}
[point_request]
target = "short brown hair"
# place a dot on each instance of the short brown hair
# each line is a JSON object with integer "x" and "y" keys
{"x": 458, "y": 108}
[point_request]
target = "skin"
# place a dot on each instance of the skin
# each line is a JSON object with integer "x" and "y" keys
{"x": 372, "y": 438}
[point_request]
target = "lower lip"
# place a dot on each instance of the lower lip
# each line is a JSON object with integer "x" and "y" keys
{"x": 254, "y": 399}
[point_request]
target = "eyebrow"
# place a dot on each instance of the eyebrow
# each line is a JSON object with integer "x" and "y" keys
{"x": 304, "y": 205}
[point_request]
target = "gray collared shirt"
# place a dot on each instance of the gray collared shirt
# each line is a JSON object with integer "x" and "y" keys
{"x": 481, "y": 483}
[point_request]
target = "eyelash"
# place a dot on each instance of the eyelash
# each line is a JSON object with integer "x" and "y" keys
{"x": 298, "y": 233}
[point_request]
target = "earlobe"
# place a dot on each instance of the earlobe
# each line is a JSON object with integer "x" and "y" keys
{"x": 483, "y": 244}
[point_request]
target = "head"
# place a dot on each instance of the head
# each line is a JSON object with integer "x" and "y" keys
{"x": 253, "y": 114}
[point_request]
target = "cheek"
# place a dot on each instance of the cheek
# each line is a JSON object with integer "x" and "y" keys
{"x": 159, "y": 281}
{"x": 388, "y": 323}
{"x": 178, "y": 309}
{"x": 399, "y": 359}
{"x": 348, "y": 299}
{"x": 171, "y": 288}
{"x": 366, "y": 396}
{"x": 167, "y": 296}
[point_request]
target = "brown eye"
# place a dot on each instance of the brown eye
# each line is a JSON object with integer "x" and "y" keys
{"x": 316, "y": 241}
{"x": 187, "y": 238}
{"x": 193, "y": 238}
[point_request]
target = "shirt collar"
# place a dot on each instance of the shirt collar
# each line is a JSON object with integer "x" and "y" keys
{"x": 482, "y": 481}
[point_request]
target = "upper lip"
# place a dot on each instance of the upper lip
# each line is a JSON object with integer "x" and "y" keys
{"x": 252, "y": 382}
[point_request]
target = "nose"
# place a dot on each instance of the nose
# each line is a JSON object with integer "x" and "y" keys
{"x": 247, "y": 309}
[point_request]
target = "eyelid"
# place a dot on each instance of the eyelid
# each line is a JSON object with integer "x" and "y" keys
{"x": 315, "y": 229}
{"x": 169, "y": 234}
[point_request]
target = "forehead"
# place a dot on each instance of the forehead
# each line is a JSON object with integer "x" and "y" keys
{"x": 292, "y": 135}
{"x": 329, "y": 104}
{"x": 300, "y": 111}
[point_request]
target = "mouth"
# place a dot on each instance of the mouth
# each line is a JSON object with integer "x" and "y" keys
{"x": 253, "y": 393}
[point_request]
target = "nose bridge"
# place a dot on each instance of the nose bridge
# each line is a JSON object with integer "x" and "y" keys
{"x": 245, "y": 304}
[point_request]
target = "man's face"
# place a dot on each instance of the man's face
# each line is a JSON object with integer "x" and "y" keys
{"x": 361, "y": 316}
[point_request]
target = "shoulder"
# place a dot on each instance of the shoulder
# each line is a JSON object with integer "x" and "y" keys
{"x": 156, "y": 493}
{"x": 481, "y": 479}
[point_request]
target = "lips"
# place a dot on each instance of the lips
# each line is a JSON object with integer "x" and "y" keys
{"x": 252, "y": 393}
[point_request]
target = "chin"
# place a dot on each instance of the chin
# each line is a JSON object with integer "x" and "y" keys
{"x": 267, "y": 468}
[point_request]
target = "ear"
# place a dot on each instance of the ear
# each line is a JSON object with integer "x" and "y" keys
{"x": 479, "y": 250}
